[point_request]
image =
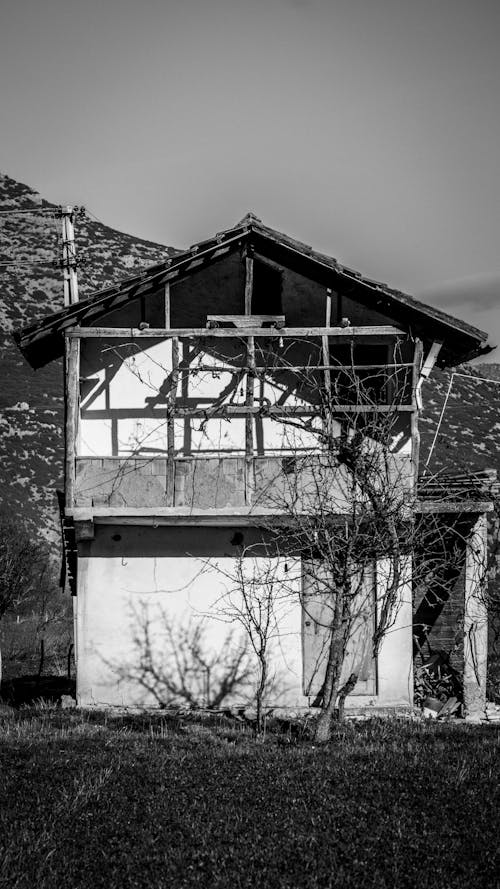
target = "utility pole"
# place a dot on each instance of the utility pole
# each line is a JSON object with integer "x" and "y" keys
{"x": 69, "y": 264}
{"x": 69, "y": 261}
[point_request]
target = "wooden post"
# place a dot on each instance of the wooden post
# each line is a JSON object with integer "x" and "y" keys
{"x": 328, "y": 308}
{"x": 326, "y": 363}
{"x": 389, "y": 387}
{"x": 72, "y": 380}
{"x": 71, "y": 356}
{"x": 184, "y": 378}
{"x": 250, "y": 388}
{"x": 476, "y": 622}
{"x": 414, "y": 428}
{"x": 167, "y": 305}
{"x": 417, "y": 365}
{"x": 249, "y": 421}
{"x": 425, "y": 368}
{"x": 248, "y": 283}
{"x": 172, "y": 397}
{"x": 325, "y": 346}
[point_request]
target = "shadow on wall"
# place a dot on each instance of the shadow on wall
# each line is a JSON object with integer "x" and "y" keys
{"x": 173, "y": 663}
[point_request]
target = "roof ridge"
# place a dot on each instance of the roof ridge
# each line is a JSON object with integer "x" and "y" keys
{"x": 248, "y": 219}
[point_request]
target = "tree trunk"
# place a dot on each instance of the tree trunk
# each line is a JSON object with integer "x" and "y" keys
{"x": 331, "y": 687}
{"x": 344, "y": 691}
{"x": 258, "y": 695}
{"x": 323, "y": 731}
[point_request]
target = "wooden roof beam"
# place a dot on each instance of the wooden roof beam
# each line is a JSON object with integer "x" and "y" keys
{"x": 341, "y": 334}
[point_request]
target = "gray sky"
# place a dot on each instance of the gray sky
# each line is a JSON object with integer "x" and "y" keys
{"x": 367, "y": 128}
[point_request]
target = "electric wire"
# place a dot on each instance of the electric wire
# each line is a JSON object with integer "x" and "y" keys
{"x": 14, "y": 262}
{"x": 44, "y": 210}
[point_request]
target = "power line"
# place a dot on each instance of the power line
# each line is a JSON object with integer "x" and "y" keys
{"x": 480, "y": 379}
{"x": 95, "y": 218}
{"x": 52, "y": 261}
{"x": 33, "y": 210}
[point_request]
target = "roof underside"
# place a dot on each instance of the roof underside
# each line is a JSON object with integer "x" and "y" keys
{"x": 44, "y": 341}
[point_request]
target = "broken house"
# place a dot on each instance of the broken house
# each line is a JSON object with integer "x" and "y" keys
{"x": 195, "y": 427}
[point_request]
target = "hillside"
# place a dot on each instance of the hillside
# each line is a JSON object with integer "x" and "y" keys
{"x": 469, "y": 434}
{"x": 31, "y": 410}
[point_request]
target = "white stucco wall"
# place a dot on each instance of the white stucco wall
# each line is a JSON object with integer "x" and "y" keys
{"x": 130, "y": 577}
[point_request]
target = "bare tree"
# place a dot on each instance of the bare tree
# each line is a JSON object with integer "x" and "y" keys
{"x": 22, "y": 564}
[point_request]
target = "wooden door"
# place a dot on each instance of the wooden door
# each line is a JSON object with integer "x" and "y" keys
{"x": 317, "y": 613}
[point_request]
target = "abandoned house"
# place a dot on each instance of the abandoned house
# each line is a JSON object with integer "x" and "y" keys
{"x": 195, "y": 430}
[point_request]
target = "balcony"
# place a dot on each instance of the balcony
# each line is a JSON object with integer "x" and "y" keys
{"x": 214, "y": 486}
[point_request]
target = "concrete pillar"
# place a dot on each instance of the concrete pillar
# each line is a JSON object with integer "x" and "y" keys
{"x": 476, "y": 622}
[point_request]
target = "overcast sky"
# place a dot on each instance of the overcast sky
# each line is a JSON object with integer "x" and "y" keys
{"x": 367, "y": 128}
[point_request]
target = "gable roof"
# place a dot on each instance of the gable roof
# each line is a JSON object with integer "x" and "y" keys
{"x": 43, "y": 342}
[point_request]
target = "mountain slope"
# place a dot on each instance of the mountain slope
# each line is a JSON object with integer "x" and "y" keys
{"x": 465, "y": 404}
{"x": 31, "y": 406}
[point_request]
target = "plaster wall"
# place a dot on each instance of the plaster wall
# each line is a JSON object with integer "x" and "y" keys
{"x": 131, "y": 578}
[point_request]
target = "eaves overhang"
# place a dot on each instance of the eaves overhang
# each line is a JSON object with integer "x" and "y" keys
{"x": 43, "y": 341}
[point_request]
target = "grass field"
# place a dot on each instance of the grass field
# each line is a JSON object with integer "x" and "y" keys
{"x": 88, "y": 801}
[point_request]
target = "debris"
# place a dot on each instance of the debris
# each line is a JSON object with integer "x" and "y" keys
{"x": 437, "y": 679}
{"x": 431, "y": 707}
{"x": 492, "y": 712}
{"x": 432, "y": 704}
{"x": 67, "y": 702}
{"x": 451, "y": 707}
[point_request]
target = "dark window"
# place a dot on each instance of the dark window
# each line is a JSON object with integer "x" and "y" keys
{"x": 266, "y": 297}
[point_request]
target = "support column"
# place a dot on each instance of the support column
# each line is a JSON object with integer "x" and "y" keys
{"x": 250, "y": 385}
{"x": 476, "y": 622}
{"x": 72, "y": 411}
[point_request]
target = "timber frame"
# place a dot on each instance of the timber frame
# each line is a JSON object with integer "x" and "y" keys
{"x": 387, "y": 335}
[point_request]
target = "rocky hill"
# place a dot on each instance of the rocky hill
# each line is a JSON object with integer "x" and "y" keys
{"x": 31, "y": 407}
{"x": 465, "y": 403}
{"x": 31, "y": 412}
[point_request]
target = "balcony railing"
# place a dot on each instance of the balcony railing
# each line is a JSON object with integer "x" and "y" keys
{"x": 219, "y": 483}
